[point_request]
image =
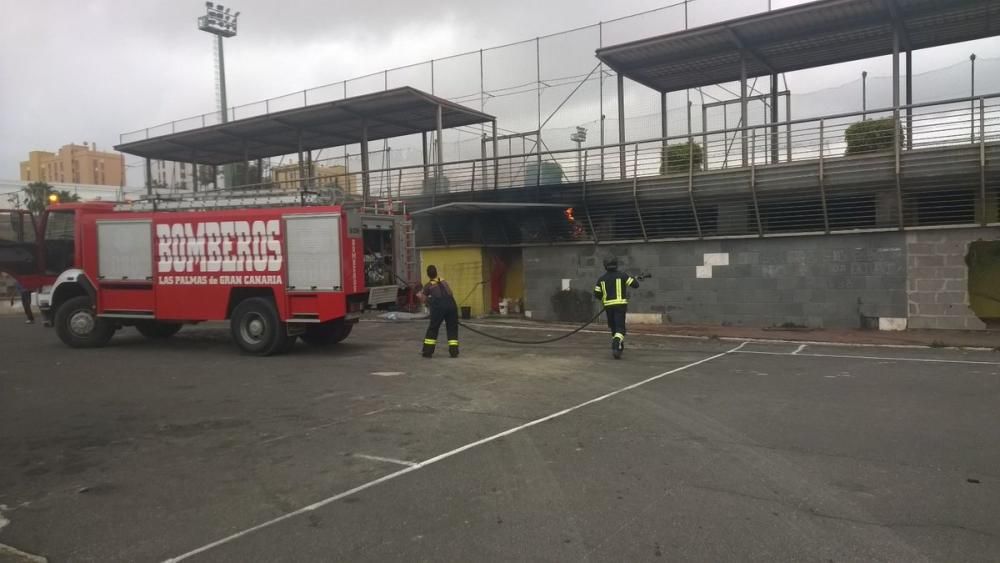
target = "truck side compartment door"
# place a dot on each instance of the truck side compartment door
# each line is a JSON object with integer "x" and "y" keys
{"x": 313, "y": 246}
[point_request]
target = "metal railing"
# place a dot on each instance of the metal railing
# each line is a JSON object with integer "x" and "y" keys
{"x": 937, "y": 125}
{"x": 834, "y": 173}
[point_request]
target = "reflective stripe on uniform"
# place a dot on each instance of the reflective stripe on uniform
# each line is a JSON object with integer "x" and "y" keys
{"x": 630, "y": 281}
{"x": 619, "y": 336}
{"x": 453, "y": 343}
{"x": 430, "y": 341}
{"x": 619, "y": 299}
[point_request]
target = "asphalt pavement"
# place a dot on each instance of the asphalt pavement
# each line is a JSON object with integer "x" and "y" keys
{"x": 685, "y": 450}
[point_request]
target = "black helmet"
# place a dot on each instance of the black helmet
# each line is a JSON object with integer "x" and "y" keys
{"x": 611, "y": 264}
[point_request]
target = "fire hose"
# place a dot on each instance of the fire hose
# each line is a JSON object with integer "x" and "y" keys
{"x": 530, "y": 342}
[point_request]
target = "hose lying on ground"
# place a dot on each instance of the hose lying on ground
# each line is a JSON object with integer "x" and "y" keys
{"x": 531, "y": 342}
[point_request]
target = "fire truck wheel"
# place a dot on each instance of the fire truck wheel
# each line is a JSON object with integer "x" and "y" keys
{"x": 157, "y": 330}
{"x": 78, "y": 325}
{"x": 257, "y": 329}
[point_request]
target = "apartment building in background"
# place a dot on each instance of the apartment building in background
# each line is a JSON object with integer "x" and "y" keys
{"x": 75, "y": 164}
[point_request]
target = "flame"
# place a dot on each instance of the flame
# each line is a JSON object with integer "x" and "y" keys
{"x": 569, "y": 215}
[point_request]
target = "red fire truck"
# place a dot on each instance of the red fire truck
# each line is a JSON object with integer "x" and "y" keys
{"x": 276, "y": 269}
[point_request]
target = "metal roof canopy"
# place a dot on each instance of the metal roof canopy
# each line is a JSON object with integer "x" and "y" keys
{"x": 484, "y": 207}
{"x": 386, "y": 114}
{"x": 808, "y": 35}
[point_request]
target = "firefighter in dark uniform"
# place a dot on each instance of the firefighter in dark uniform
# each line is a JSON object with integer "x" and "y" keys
{"x": 441, "y": 302}
{"x": 612, "y": 290}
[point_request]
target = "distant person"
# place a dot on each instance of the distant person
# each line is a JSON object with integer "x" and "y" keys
{"x": 25, "y": 302}
{"x": 612, "y": 290}
{"x": 441, "y": 302}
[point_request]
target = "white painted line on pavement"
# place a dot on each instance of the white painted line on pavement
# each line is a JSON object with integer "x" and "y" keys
{"x": 883, "y": 358}
{"x": 386, "y": 459}
{"x": 799, "y": 349}
{"x": 441, "y": 457}
{"x": 748, "y": 340}
{"x": 14, "y": 554}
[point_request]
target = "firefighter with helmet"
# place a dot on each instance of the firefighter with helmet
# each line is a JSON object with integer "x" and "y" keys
{"x": 441, "y": 302}
{"x": 612, "y": 289}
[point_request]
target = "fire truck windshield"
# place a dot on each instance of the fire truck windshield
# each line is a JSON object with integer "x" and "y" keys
{"x": 60, "y": 234}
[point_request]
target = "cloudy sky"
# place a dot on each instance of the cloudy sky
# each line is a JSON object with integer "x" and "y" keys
{"x": 88, "y": 70}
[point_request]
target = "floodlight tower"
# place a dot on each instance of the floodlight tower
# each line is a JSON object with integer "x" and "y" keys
{"x": 579, "y": 138}
{"x": 220, "y": 22}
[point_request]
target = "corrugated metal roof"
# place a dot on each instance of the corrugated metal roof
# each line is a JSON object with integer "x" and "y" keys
{"x": 392, "y": 113}
{"x": 804, "y": 36}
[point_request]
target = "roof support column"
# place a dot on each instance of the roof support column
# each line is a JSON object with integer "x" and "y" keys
{"x": 309, "y": 169}
{"x": 365, "y": 180}
{"x": 149, "y": 177}
{"x": 496, "y": 160}
{"x": 439, "y": 150}
{"x": 194, "y": 172}
{"x": 215, "y": 177}
{"x": 788, "y": 127}
{"x": 909, "y": 99}
{"x": 302, "y": 175}
{"x": 600, "y": 91}
{"x": 896, "y": 129}
{"x": 260, "y": 171}
{"x": 423, "y": 144}
{"x": 743, "y": 109}
{"x": 538, "y": 130}
{"x": 621, "y": 125}
{"x": 246, "y": 164}
{"x": 972, "y": 94}
{"x": 774, "y": 119}
{"x": 663, "y": 119}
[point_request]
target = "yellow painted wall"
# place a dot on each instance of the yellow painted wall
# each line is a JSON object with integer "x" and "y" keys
{"x": 462, "y": 268}
{"x": 514, "y": 282}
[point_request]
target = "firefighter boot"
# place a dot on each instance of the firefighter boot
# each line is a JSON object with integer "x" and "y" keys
{"x": 453, "y": 348}
{"x": 617, "y": 346}
{"x": 429, "y": 345}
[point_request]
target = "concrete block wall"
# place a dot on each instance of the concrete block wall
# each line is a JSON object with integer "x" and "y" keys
{"x": 820, "y": 281}
{"x": 937, "y": 278}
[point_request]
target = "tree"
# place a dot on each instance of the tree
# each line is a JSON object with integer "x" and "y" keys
{"x": 680, "y": 158}
{"x": 871, "y": 135}
{"x": 549, "y": 173}
{"x": 38, "y": 194}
